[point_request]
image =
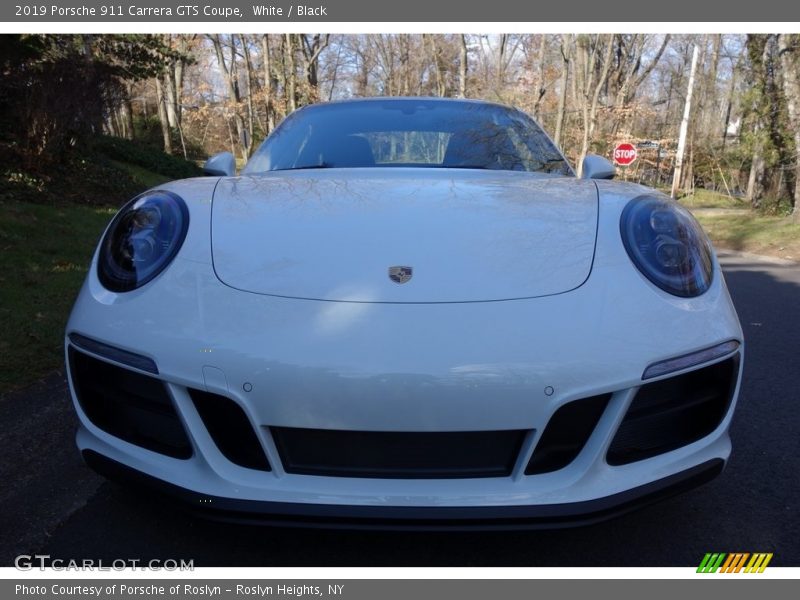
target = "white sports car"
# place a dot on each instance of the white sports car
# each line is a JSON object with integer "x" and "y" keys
{"x": 406, "y": 312}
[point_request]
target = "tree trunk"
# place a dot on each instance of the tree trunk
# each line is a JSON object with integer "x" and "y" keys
{"x": 711, "y": 92}
{"x": 127, "y": 112}
{"x": 539, "y": 87}
{"x": 688, "y": 172}
{"x": 229, "y": 75}
{"x": 562, "y": 98}
{"x": 755, "y": 179}
{"x": 590, "y": 88}
{"x": 180, "y": 70}
{"x": 268, "y": 83}
{"x": 168, "y": 86}
{"x": 687, "y": 111}
{"x": 769, "y": 127}
{"x": 462, "y": 67}
{"x": 436, "y": 60}
{"x": 789, "y": 47}
{"x": 499, "y": 75}
{"x": 731, "y": 90}
{"x": 173, "y": 80}
{"x": 162, "y": 116}
{"x": 405, "y": 65}
{"x": 311, "y": 53}
{"x": 248, "y": 68}
{"x": 291, "y": 74}
{"x": 178, "y": 82}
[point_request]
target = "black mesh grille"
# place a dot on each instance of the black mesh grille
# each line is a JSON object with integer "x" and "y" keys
{"x": 133, "y": 407}
{"x": 566, "y": 434}
{"x": 674, "y": 412}
{"x": 230, "y": 429}
{"x": 398, "y": 455}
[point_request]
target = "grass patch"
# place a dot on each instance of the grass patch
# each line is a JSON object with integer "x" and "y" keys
{"x": 772, "y": 236}
{"x": 138, "y": 153}
{"x": 142, "y": 177}
{"x": 44, "y": 255}
{"x": 103, "y": 171}
{"x": 78, "y": 179}
{"x": 707, "y": 199}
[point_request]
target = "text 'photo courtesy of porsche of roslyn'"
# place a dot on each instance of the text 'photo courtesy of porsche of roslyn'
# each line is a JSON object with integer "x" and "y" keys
{"x": 407, "y": 282}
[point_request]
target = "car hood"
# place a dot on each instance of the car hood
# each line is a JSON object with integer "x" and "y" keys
{"x": 462, "y": 236}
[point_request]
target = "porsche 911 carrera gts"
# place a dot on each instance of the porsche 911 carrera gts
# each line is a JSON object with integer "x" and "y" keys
{"x": 406, "y": 312}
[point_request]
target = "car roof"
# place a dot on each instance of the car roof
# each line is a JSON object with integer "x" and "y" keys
{"x": 410, "y": 99}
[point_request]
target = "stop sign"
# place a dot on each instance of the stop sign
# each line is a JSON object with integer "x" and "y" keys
{"x": 624, "y": 154}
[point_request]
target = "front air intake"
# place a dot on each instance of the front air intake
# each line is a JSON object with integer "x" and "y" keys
{"x": 674, "y": 412}
{"x": 398, "y": 454}
{"x": 128, "y": 405}
{"x": 231, "y": 430}
{"x": 566, "y": 434}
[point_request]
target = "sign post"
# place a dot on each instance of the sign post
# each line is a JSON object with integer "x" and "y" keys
{"x": 648, "y": 145}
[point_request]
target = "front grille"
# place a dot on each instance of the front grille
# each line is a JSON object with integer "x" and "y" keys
{"x": 230, "y": 429}
{"x": 674, "y": 412}
{"x": 398, "y": 455}
{"x": 566, "y": 434}
{"x": 133, "y": 407}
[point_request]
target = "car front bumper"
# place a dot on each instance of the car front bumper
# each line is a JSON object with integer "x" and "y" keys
{"x": 432, "y": 387}
{"x": 413, "y": 368}
{"x": 409, "y": 518}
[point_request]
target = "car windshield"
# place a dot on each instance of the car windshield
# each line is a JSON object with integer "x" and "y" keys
{"x": 408, "y": 133}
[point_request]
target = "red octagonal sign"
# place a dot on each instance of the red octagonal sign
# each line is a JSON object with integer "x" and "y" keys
{"x": 624, "y": 154}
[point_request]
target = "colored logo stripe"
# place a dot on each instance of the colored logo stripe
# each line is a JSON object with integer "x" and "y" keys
{"x": 711, "y": 562}
{"x": 734, "y": 562}
{"x": 758, "y": 563}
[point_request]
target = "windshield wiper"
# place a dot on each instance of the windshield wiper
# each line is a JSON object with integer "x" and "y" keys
{"x": 463, "y": 167}
{"x": 322, "y": 165}
{"x": 547, "y": 165}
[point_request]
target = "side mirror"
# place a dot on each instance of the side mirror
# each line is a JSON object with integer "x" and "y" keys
{"x": 222, "y": 164}
{"x": 597, "y": 167}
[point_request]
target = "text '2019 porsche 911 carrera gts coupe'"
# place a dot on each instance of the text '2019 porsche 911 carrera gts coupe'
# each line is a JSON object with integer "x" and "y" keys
{"x": 406, "y": 312}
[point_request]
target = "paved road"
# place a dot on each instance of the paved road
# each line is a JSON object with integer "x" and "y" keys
{"x": 51, "y": 504}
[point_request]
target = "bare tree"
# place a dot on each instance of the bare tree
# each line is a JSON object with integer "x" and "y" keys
{"x": 566, "y": 50}
{"x": 269, "y": 83}
{"x": 789, "y": 50}
{"x": 162, "y": 116}
{"x": 291, "y": 72}
{"x": 591, "y": 74}
{"x": 437, "y": 64}
{"x": 247, "y": 142}
{"x": 539, "y": 88}
{"x": 229, "y": 71}
{"x": 312, "y": 47}
{"x": 629, "y": 71}
{"x": 687, "y": 111}
{"x": 463, "y": 67}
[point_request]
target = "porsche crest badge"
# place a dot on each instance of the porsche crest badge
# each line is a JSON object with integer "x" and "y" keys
{"x": 400, "y": 274}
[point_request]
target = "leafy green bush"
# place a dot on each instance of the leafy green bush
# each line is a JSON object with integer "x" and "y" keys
{"x": 147, "y": 132}
{"x": 106, "y": 171}
{"x": 144, "y": 155}
{"x": 78, "y": 178}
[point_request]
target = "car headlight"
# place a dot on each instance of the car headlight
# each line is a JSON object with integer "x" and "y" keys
{"x": 667, "y": 245}
{"x": 142, "y": 240}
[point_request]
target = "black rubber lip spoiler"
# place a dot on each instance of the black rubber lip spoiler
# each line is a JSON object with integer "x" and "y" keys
{"x": 548, "y": 516}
